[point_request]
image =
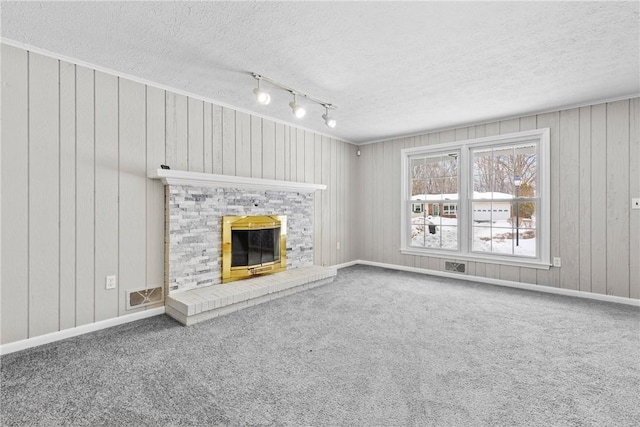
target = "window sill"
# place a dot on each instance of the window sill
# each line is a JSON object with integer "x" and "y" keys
{"x": 457, "y": 256}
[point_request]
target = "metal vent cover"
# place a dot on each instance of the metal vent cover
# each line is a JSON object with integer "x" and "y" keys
{"x": 137, "y": 298}
{"x": 457, "y": 267}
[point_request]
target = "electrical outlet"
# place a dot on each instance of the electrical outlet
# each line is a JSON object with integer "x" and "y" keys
{"x": 338, "y": 246}
{"x": 110, "y": 282}
{"x": 557, "y": 262}
{"x": 635, "y": 203}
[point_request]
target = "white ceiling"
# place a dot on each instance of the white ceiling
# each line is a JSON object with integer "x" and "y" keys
{"x": 392, "y": 68}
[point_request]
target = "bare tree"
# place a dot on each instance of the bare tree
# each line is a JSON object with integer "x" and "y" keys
{"x": 434, "y": 175}
{"x": 496, "y": 169}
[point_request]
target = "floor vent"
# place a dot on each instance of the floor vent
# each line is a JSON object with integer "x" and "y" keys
{"x": 142, "y": 297}
{"x": 457, "y": 267}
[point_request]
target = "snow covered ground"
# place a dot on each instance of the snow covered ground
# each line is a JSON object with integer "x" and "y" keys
{"x": 496, "y": 237}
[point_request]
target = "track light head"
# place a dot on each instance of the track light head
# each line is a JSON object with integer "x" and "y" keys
{"x": 331, "y": 122}
{"x": 262, "y": 96}
{"x": 298, "y": 110}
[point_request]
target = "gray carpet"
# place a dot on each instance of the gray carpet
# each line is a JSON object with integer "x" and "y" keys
{"x": 375, "y": 348}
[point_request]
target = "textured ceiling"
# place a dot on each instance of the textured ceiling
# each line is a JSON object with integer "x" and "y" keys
{"x": 392, "y": 68}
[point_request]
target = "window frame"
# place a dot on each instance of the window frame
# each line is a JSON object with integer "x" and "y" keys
{"x": 541, "y": 137}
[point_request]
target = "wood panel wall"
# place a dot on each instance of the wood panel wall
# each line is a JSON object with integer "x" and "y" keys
{"x": 595, "y": 171}
{"x": 77, "y": 146}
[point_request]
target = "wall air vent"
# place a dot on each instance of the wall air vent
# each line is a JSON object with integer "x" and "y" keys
{"x": 137, "y": 298}
{"x": 456, "y": 267}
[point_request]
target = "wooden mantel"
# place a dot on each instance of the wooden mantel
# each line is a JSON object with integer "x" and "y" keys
{"x": 199, "y": 179}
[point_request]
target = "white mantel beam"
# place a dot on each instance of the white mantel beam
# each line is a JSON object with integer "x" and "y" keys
{"x": 198, "y": 179}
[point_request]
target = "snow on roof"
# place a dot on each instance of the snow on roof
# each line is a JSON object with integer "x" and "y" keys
{"x": 454, "y": 196}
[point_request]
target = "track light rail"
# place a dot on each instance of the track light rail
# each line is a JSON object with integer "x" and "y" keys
{"x": 260, "y": 77}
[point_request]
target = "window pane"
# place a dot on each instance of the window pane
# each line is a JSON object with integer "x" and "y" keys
{"x": 524, "y": 223}
{"x": 503, "y": 170}
{"x": 423, "y": 233}
{"x": 417, "y": 235}
{"x": 434, "y": 189}
{"x": 498, "y": 171}
{"x": 418, "y": 216}
{"x": 418, "y": 187}
{"x": 481, "y": 237}
{"x": 525, "y": 211}
{"x": 526, "y": 169}
{"x": 482, "y": 171}
{"x": 488, "y": 238}
{"x": 501, "y": 227}
{"x": 481, "y": 211}
{"x": 432, "y": 167}
{"x": 450, "y": 188}
{"x": 416, "y": 164}
{"x": 430, "y": 229}
{"x": 449, "y": 237}
{"x": 415, "y": 168}
{"x": 449, "y": 165}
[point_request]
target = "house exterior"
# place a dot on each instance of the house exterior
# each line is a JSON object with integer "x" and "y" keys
{"x": 446, "y": 205}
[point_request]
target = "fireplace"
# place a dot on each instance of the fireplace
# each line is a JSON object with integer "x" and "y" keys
{"x": 253, "y": 245}
{"x": 196, "y": 206}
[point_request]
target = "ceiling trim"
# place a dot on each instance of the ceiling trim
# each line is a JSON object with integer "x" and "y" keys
{"x": 105, "y": 70}
{"x": 503, "y": 118}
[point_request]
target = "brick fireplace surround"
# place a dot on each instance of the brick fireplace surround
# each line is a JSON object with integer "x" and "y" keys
{"x": 194, "y": 206}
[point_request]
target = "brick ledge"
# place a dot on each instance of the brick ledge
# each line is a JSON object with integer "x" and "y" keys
{"x": 196, "y": 305}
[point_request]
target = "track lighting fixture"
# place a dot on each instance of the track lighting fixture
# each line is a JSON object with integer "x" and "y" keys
{"x": 262, "y": 96}
{"x": 299, "y": 111}
{"x": 328, "y": 120}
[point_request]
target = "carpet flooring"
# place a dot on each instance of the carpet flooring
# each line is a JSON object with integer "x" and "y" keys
{"x": 375, "y": 348}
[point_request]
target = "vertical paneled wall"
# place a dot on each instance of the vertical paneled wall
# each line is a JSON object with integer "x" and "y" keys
{"x": 77, "y": 146}
{"x": 595, "y": 171}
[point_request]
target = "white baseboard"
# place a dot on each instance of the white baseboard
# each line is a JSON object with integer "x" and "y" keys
{"x": 346, "y": 264}
{"x": 500, "y": 282}
{"x": 80, "y": 330}
{"x": 104, "y": 324}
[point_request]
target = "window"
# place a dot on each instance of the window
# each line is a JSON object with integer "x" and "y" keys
{"x": 482, "y": 199}
{"x": 434, "y": 178}
{"x": 449, "y": 210}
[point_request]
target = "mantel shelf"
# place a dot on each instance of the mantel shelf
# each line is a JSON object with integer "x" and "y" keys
{"x": 198, "y": 179}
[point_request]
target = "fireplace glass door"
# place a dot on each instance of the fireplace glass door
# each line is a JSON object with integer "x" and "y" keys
{"x": 254, "y": 247}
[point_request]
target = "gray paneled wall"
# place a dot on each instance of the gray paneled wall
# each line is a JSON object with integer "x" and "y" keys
{"x": 595, "y": 171}
{"x": 77, "y": 145}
